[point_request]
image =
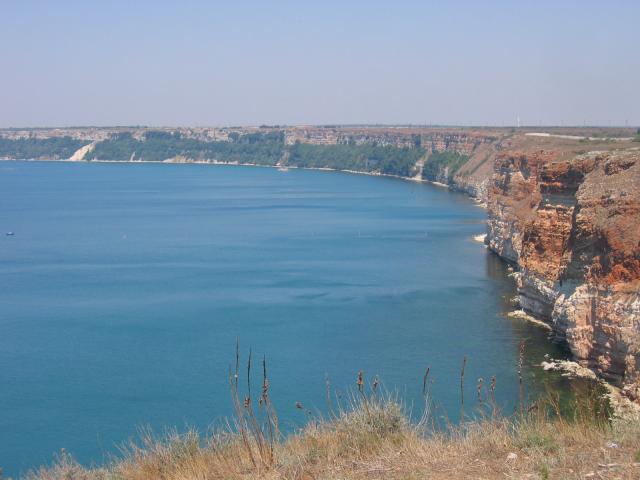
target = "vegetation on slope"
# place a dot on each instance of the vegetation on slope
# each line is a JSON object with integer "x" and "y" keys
{"x": 374, "y": 439}
{"x": 441, "y": 166}
{"x": 380, "y": 445}
{"x": 39, "y": 148}
{"x": 259, "y": 148}
{"x": 262, "y": 148}
{"x": 388, "y": 160}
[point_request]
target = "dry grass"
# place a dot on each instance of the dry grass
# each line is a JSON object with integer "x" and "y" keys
{"x": 373, "y": 438}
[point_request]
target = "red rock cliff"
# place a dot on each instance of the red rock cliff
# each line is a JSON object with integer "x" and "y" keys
{"x": 573, "y": 227}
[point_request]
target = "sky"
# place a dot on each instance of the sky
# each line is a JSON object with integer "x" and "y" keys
{"x": 209, "y": 63}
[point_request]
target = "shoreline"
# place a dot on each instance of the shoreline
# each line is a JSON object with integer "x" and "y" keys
{"x": 522, "y": 315}
{"x": 480, "y": 238}
{"x": 622, "y": 407}
{"x": 246, "y": 164}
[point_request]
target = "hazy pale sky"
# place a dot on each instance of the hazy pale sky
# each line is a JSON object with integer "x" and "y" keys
{"x": 198, "y": 63}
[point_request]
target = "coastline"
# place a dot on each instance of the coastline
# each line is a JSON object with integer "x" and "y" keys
{"x": 521, "y": 314}
{"x": 242, "y": 164}
{"x": 622, "y": 407}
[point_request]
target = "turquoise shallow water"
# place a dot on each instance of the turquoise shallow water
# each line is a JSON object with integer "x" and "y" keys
{"x": 125, "y": 286}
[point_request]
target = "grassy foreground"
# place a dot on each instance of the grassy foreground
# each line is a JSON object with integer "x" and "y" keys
{"x": 373, "y": 438}
{"x": 382, "y": 444}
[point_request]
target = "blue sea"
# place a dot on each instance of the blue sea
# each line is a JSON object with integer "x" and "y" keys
{"x": 124, "y": 289}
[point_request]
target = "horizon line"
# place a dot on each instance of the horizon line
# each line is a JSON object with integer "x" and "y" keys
{"x": 323, "y": 125}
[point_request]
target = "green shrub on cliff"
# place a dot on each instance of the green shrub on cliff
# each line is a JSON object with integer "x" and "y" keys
{"x": 49, "y": 148}
{"x": 443, "y": 165}
{"x": 388, "y": 160}
{"x": 260, "y": 148}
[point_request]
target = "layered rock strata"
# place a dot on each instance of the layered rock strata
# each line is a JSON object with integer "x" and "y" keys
{"x": 573, "y": 228}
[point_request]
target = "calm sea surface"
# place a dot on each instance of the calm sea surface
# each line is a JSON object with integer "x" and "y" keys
{"x": 125, "y": 286}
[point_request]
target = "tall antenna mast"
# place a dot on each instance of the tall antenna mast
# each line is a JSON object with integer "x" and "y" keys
{"x": 518, "y": 121}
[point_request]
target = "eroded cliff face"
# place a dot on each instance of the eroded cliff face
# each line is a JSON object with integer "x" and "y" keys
{"x": 573, "y": 227}
{"x": 474, "y": 176}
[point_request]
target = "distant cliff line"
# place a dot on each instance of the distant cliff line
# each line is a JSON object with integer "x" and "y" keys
{"x": 460, "y": 157}
{"x": 435, "y": 155}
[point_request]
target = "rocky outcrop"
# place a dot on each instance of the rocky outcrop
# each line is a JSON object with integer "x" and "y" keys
{"x": 79, "y": 154}
{"x": 454, "y": 141}
{"x": 475, "y": 187}
{"x": 473, "y": 176}
{"x": 573, "y": 227}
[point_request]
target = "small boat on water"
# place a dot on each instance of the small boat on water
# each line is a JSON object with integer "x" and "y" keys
{"x": 9, "y": 234}
{"x": 283, "y": 169}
